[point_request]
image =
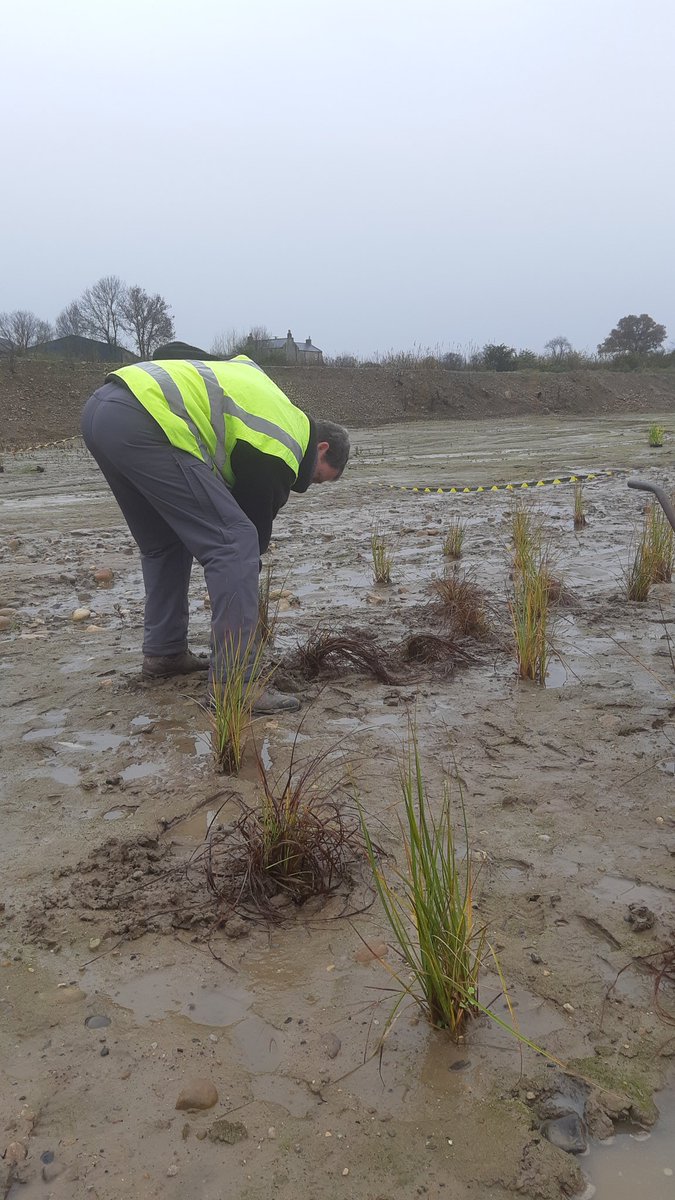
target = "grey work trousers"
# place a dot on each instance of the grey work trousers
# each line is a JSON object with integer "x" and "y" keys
{"x": 177, "y": 509}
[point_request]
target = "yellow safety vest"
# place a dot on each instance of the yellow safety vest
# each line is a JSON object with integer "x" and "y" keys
{"x": 206, "y": 407}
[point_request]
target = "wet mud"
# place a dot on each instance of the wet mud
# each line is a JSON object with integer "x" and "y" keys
{"x": 121, "y": 986}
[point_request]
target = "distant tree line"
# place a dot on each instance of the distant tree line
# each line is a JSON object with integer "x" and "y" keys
{"x": 108, "y": 311}
{"x": 634, "y": 342}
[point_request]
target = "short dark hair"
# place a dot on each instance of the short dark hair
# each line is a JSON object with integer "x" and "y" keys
{"x": 337, "y": 454}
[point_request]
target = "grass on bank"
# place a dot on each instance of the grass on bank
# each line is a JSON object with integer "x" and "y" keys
{"x": 656, "y": 436}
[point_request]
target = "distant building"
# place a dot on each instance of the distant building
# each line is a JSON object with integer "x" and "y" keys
{"x": 82, "y": 349}
{"x": 296, "y": 353}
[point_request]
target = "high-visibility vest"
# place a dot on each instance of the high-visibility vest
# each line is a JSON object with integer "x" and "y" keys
{"x": 206, "y": 407}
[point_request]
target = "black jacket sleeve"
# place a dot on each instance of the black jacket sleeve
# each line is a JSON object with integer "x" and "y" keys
{"x": 262, "y": 486}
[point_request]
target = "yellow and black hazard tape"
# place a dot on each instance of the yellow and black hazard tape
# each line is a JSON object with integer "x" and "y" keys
{"x": 75, "y": 437}
{"x": 503, "y": 487}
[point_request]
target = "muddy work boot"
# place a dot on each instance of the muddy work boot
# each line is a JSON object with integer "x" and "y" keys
{"x": 164, "y": 665}
{"x": 271, "y": 701}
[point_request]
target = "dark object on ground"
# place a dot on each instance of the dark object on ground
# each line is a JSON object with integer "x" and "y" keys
{"x": 640, "y": 917}
{"x": 324, "y": 651}
{"x": 430, "y": 648}
{"x": 568, "y": 1133}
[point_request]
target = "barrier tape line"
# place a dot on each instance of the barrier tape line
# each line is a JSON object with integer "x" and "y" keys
{"x": 75, "y": 437}
{"x": 504, "y": 487}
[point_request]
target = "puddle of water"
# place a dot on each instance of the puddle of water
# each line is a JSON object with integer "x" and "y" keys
{"x": 297, "y": 1100}
{"x": 668, "y": 767}
{"x": 118, "y": 814}
{"x": 154, "y": 995}
{"x": 630, "y": 1164}
{"x": 196, "y": 828}
{"x": 259, "y": 1046}
{"x": 141, "y": 722}
{"x": 94, "y": 739}
{"x": 140, "y": 771}
{"x": 69, "y": 776}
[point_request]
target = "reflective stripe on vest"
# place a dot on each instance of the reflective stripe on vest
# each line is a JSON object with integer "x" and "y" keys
{"x": 172, "y": 395}
{"x": 222, "y": 404}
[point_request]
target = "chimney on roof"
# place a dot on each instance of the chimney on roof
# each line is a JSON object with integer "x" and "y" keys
{"x": 289, "y": 335}
{"x": 308, "y": 341}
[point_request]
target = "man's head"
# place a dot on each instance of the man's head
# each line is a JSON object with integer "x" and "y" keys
{"x": 332, "y": 452}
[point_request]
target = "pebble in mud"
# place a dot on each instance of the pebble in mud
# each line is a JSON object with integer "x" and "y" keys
{"x": 198, "y": 1093}
{"x": 568, "y": 1133}
{"x": 97, "y": 1021}
{"x": 80, "y": 614}
{"x": 103, "y": 576}
{"x": 229, "y": 1132}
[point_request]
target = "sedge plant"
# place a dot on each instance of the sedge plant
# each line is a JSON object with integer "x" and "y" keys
{"x": 656, "y": 436}
{"x": 236, "y": 684}
{"x": 379, "y": 547}
{"x": 526, "y": 536}
{"x": 428, "y": 904}
{"x": 454, "y": 538}
{"x": 530, "y": 608}
{"x": 659, "y": 545}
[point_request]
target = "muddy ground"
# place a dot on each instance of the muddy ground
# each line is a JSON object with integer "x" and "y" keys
{"x": 569, "y": 799}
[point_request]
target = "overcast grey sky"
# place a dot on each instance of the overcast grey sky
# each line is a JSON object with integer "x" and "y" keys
{"x": 375, "y": 173}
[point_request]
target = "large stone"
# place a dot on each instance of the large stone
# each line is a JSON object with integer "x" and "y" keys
{"x": 198, "y": 1093}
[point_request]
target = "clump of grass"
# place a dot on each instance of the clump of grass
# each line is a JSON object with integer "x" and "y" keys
{"x": 529, "y": 606}
{"x": 430, "y": 648}
{"x": 656, "y": 436}
{"x": 526, "y": 536}
{"x": 237, "y": 683}
{"x": 381, "y": 558}
{"x": 638, "y": 574}
{"x": 659, "y": 545}
{"x": 579, "y": 507}
{"x": 428, "y": 905}
{"x": 324, "y": 651}
{"x": 454, "y": 538}
{"x": 268, "y": 607}
{"x": 461, "y": 602}
{"x": 299, "y": 840}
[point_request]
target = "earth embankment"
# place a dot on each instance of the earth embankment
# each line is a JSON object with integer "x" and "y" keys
{"x": 41, "y": 401}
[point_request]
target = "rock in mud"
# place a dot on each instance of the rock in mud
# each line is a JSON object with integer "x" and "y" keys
{"x": 331, "y": 1044}
{"x": 568, "y": 1133}
{"x": 229, "y": 1132}
{"x": 640, "y": 917}
{"x": 15, "y": 1153}
{"x": 81, "y": 614}
{"x": 197, "y": 1094}
{"x": 5, "y": 623}
{"x": 103, "y": 576}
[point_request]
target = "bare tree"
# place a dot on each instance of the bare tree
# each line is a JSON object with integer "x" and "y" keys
{"x": 101, "y": 307}
{"x": 70, "y": 321}
{"x": 147, "y": 318}
{"x": 559, "y": 348}
{"x": 23, "y": 329}
{"x": 229, "y": 343}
